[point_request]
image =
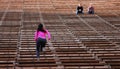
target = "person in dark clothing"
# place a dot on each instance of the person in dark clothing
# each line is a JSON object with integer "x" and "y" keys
{"x": 79, "y": 9}
{"x": 90, "y": 9}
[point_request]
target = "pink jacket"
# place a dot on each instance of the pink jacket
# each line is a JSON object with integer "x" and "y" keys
{"x": 42, "y": 35}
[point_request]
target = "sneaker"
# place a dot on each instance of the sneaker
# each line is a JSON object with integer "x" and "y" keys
{"x": 38, "y": 59}
{"x": 44, "y": 49}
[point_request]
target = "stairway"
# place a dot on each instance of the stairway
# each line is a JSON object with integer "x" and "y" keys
{"x": 79, "y": 41}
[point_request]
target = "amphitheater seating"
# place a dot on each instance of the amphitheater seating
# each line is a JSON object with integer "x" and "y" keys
{"x": 79, "y": 41}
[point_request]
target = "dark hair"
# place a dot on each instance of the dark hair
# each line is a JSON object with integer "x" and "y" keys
{"x": 40, "y": 28}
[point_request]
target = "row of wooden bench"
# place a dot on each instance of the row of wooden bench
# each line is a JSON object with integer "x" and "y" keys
{"x": 77, "y": 45}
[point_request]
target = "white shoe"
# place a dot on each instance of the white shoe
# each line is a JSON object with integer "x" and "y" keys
{"x": 49, "y": 43}
{"x": 38, "y": 59}
{"x": 44, "y": 49}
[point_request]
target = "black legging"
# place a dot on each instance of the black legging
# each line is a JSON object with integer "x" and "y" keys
{"x": 40, "y": 43}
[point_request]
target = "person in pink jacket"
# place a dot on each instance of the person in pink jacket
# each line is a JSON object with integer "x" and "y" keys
{"x": 41, "y": 37}
{"x": 91, "y": 9}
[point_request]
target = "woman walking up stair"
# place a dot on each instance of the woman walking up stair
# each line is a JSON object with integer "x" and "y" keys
{"x": 42, "y": 36}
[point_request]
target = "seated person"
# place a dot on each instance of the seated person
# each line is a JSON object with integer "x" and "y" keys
{"x": 90, "y": 9}
{"x": 79, "y": 9}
